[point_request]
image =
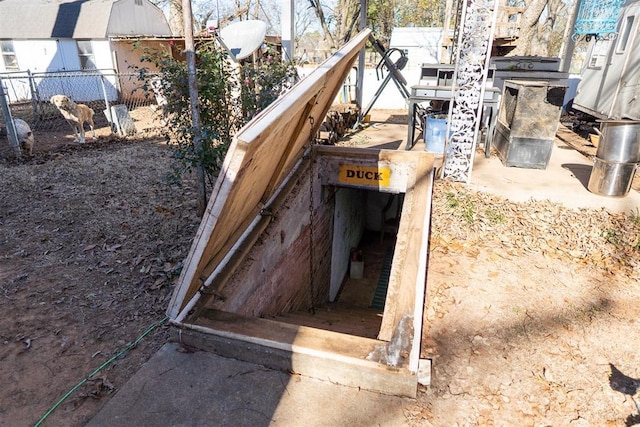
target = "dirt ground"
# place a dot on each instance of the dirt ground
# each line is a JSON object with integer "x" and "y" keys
{"x": 532, "y": 312}
{"x": 530, "y": 307}
{"x": 92, "y": 237}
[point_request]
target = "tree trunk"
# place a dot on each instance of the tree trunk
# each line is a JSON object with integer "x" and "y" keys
{"x": 317, "y": 7}
{"x": 175, "y": 18}
{"x": 189, "y": 47}
{"x": 348, "y": 15}
{"x": 527, "y": 35}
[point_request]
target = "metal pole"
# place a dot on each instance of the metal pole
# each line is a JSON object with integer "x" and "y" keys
{"x": 288, "y": 31}
{"x": 361, "y": 57}
{"x": 106, "y": 103}
{"x": 34, "y": 96}
{"x": 447, "y": 42}
{"x": 189, "y": 47}
{"x": 6, "y": 112}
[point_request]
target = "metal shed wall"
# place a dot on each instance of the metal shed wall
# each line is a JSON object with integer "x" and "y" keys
{"x": 611, "y": 76}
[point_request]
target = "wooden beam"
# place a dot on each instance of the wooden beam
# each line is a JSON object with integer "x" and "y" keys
{"x": 408, "y": 264}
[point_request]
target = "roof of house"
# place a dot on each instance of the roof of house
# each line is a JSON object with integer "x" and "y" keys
{"x": 80, "y": 19}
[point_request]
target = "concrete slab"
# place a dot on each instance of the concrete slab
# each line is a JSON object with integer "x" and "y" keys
{"x": 201, "y": 389}
{"x": 564, "y": 181}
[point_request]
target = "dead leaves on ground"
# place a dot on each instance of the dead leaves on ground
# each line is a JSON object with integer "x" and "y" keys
{"x": 94, "y": 388}
{"x": 464, "y": 221}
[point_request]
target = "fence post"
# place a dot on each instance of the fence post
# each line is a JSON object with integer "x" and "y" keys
{"x": 6, "y": 112}
{"x": 106, "y": 102}
{"x": 35, "y": 98}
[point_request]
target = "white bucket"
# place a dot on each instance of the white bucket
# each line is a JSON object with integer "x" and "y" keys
{"x": 435, "y": 131}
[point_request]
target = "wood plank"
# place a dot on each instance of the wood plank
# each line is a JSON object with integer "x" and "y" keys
{"x": 400, "y": 163}
{"x": 358, "y": 321}
{"x": 296, "y": 129}
{"x": 575, "y": 141}
{"x": 410, "y": 260}
{"x": 287, "y": 335}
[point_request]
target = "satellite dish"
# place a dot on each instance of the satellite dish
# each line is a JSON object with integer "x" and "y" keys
{"x": 243, "y": 38}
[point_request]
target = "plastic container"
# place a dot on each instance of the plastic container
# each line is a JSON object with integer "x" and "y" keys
{"x": 611, "y": 178}
{"x": 435, "y": 131}
{"x": 620, "y": 141}
{"x": 356, "y": 270}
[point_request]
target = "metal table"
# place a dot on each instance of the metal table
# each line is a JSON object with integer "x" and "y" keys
{"x": 422, "y": 93}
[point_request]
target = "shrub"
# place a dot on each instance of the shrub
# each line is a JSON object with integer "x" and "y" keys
{"x": 229, "y": 95}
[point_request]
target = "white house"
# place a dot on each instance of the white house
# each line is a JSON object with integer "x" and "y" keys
{"x": 72, "y": 36}
{"x": 421, "y": 45}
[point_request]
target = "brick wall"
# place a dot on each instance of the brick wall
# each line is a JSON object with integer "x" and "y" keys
{"x": 275, "y": 276}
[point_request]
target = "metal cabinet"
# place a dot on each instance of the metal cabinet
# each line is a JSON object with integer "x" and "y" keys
{"x": 528, "y": 120}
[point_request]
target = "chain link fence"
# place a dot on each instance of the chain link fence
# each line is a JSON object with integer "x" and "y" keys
{"x": 123, "y": 103}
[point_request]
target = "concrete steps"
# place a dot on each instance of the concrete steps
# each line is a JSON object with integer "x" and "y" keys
{"x": 316, "y": 353}
{"x": 359, "y": 321}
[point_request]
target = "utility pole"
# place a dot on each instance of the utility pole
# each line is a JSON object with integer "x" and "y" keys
{"x": 288, "y": 39}
{"x": 361, "y": 57}
{"x": 189, "y": 48}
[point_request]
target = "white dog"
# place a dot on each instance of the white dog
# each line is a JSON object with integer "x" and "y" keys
{"x": 75, "y": 114}
{"x": 25, "y": 136}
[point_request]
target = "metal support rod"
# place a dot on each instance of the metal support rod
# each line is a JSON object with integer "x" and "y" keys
{"x": 34, "y": 96}
{"x": 394, "y": 74}
{"x": 379, "y": 92}
{"x": 361, "y": 57}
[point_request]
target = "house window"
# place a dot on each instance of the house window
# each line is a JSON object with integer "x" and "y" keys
{"x": 85, "y": 52}
{"x": 9, "y": 55}
{"x": 626, "y": 33}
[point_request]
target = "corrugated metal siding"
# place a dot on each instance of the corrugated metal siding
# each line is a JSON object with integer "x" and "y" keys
{"x": 130, "y": 17}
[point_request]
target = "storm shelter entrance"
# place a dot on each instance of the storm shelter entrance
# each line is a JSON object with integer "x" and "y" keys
{"x": 329, "y": 278}
{"x": 284, "y": 221}
{"x": 365, "y": 225}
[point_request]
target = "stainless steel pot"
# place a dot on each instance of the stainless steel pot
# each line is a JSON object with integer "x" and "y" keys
{"x": 611, "y": 178}
{"x": 619, "y": 141}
